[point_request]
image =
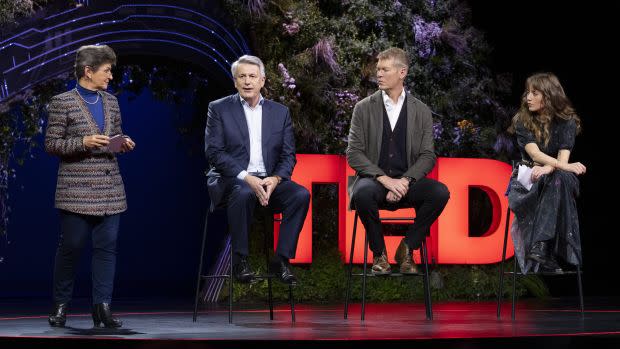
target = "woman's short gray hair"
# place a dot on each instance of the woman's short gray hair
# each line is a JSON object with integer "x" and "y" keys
{"x": 92, "y": 56}
{"x": 247, "y": 59}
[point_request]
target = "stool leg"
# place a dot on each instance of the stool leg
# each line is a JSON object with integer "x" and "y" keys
{"x": 292, "y": 301}
{"x": 270, "y": 298}
{"x": 202, "y": 251}
{"x": 230, "y": 285}
{"x": 580, "y": 289}
{"x": 514, "y": 287}
{"x": 350, "y": 270}
{"x": 267, "y": 230}
{"x": 364, "y": 276}
{"x": 427, "y": 287}
{"x": 501, "y": 266}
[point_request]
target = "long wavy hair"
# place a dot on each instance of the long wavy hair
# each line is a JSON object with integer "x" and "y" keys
{"x": 555, "y": 105}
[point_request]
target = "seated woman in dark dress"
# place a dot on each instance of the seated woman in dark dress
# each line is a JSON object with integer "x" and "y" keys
{"x": 546, "y": 225}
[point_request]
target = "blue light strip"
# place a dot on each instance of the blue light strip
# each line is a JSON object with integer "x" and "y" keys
{"x": 103, "y": 34}
{"x": 226, "y": 69}
{"x": 199, "y": 14}
{"x": 115, "y": 22}
{"x": 223, "y": 67}
{"x": 245, "y": 44}
{"x": 47, "y": 77}
{"x": 118, "y": 8}
{"x": 61, "y": 13}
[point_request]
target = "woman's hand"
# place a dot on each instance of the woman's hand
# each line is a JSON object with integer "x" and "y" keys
{"x": 539, "y": 171}
{"x": 575, "y": 167}
{"x": 95, "y": 141}
{"x": 128, "y": 145}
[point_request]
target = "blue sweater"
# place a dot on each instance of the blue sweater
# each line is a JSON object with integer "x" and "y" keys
{"x": 96, "y": 109}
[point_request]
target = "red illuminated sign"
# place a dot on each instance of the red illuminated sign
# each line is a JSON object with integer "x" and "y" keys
{"x": 449, "y": 242}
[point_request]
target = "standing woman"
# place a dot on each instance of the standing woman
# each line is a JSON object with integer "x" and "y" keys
{"x": 89, "y": 193}
{"x": 546, "y": 224}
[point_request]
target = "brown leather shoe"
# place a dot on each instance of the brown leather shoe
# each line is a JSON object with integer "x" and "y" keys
{"x": 404, "y": 259}
{"x": 380, "y": 265}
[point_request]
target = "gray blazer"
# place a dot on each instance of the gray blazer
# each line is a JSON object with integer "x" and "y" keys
{"x": 88, "y": 182}
{"x": 366, "y": 133}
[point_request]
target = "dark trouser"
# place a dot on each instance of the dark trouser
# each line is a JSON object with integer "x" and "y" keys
{"x": 75, "y": 230}
{"x": 289, "y": 198}
{"x": 427, "y": 196}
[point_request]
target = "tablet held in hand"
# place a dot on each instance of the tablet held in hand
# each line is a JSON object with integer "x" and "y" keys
{"x": 116, "y": 143}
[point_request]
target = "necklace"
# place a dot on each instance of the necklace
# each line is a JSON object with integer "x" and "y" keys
{"x": 85, "y": 101}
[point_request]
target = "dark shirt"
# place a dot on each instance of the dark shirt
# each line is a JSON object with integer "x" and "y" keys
{"x": 561, "y": 136}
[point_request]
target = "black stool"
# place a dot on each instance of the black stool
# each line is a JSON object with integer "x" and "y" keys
{"x": 268, "y": 225}
{"x": 515, "y": 272}
{"x": 423, "y": 257}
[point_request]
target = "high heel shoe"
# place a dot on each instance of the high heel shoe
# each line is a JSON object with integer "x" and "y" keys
{"x": 538, "y": 253}
{"x": 103, "y": 315}
{"x": 58, "y": 317}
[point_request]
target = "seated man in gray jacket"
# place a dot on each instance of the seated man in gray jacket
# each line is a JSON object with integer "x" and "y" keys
{"x": 391, "y": 149}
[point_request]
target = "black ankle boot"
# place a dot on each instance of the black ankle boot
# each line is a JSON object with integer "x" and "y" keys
{"x": 552, "y": 266}
{"x": 538, "y": 252}
{"x": 58, "y": 317}
{"x": 103, "y": 314}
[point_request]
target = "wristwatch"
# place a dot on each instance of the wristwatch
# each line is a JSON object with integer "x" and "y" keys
{"x": 410, "y": 179}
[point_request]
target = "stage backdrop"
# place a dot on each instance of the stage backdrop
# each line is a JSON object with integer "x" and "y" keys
{"x": 160, "y": 233}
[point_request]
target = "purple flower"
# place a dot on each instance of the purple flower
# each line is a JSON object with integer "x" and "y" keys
{"x": 256, "y": 7}
{"x": 458, "y": 135}
{"x": 346, "y": 99}
{"x": 288, "y": 81}
{"x": 291, "y": 28}
{"x": 323, "y": 52}
{"x": 397, "y": 5}
{"x": 503, "y": 143}
{"x": 457, "y": 41}
{"x": 437, "y": 130}
{"x": 425, "y": 34}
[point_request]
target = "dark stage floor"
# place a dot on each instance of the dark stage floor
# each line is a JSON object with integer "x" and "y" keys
{"x": 461, "y": 324}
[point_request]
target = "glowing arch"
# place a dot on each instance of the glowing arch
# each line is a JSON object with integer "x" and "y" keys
{"x": 184, "y": 32}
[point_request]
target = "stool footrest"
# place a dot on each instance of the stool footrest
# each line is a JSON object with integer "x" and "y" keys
{"x": 388, "y": 275}
{"x": 214, "y": 276}
{"x": 572, "y": 272}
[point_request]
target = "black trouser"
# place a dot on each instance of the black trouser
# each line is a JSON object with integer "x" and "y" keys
{"x": 76, "y": 229}
{"x": 289, "y": 198}
{"x": 427, "y": 196}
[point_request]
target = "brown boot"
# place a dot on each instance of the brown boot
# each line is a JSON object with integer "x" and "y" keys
{"x": 380, "y": 265}
{"x": 404, "y": 259}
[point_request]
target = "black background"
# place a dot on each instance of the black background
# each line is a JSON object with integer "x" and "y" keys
{"x": 574, "y": 40}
